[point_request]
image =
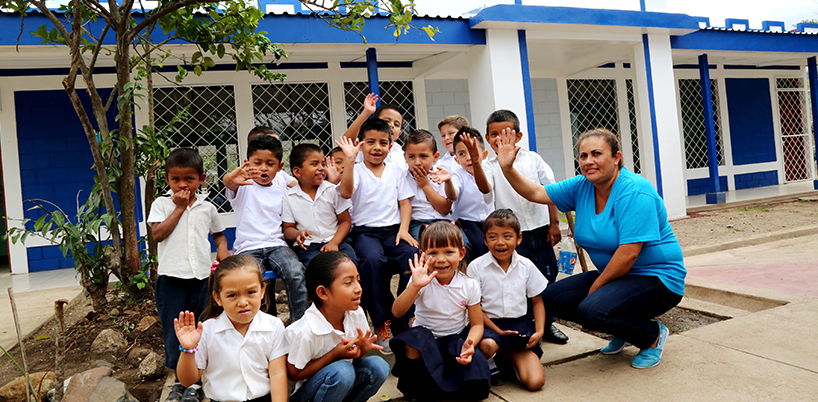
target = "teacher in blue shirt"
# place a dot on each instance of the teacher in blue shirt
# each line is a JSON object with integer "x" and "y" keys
{"x": 622, "y": 223}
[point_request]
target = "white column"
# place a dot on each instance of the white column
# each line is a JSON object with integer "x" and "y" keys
{"x": 496, "y": 79}
{"x": 659, "y": 69}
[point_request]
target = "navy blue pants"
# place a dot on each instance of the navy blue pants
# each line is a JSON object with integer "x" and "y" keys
{"x": 474, "y": 234}
{"x": 312, "y": 251}
{"x": 623, "y": 308}
{"x": 378, "y": 259}
{"x": 174, "y": 295}
{"x": 536, "y": 247}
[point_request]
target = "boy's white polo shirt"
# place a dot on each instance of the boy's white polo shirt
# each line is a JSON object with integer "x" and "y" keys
{"x": 236, "y": 368}
{"x": 447, "y": 162}
{"x": 185, "y": 253}
{"x": 319, "y": 216}
{"x": 395, "y": 156}
{"x": 258, "y": 216}
{"x": 442, "y": 308}
{"x": 471, "y": 204}
{"x": 282, "y": 179}
{"x": 502, "y": 290}
{"x": 313, "y": 336}
{"x": 422, "y": 209}
{"x": 531, "y": 214}
{"x": 375, "y": 199}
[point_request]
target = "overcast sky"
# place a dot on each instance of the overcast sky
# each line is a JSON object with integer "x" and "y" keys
{"x": 789, "y": 11}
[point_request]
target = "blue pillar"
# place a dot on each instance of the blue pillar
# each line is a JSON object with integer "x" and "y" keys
{"x": 813, "y": 95}
{"x": 372, "y": 72}
{"x": 717, "y": 196}
{"x": 529, "y": 98}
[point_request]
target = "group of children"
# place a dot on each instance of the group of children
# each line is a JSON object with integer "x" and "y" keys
{"x": 463, "y": 243}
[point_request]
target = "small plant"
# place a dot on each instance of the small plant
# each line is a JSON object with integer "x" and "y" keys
{"x": 732, "y": 229}
{"x": 755, "y": 208}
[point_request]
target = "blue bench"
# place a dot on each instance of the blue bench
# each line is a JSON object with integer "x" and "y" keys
{"x": 270, "y": 275}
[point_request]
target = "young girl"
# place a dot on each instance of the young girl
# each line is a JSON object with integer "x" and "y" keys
{"x": 328, "y": 342}
{"x": 436, "y": 358}
{"x": 514, "y": 315}
{"x": 388, "y": 113}
{"x": 239, "y": 351}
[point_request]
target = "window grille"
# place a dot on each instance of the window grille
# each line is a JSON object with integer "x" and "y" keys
{"x": 299, "y": 112}
{"x": 592, "y": 104}
{"x": 793, "y": 112}
{"x": 398, "y": 93}
{"x": 637, "y": 164}
{"x": 210, "y": 129}
{"x": 693, "y": 128}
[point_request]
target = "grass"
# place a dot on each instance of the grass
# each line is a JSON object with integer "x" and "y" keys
{"x": 755, "y": 208}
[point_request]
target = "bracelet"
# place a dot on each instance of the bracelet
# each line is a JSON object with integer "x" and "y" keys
{"x": 194, "y": 350}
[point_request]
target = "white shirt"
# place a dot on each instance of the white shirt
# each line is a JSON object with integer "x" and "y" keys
{"x": 502, "y": 290}
{"x": 258, "y": 216}
{"x": 313, "y": 336}
{"x": 375, "y": 199}
{"x": 185, "y": 253}
{"x": 471, "y": 204}
{"x": 282, "y": 179}
{"x": 532, "y": 215}
{"x": 447, "y": 162}
{"x": 395, "y": 156}
{"x": 237, "y": 368}
{"x": 442, "y": 309}
{"x": 422, "y": 209}
{"x": 319, "y": 216}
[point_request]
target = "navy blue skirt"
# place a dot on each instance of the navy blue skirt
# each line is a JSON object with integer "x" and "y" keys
{"x": 523, "y": 325}
{"x": 449, "y": 379}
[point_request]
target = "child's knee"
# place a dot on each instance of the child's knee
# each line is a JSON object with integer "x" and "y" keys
{"x": 488, "y": 346}
{"x": 412, "y": 353}
{"x": 341, "y": 374}
{"x": 378, "y": 369}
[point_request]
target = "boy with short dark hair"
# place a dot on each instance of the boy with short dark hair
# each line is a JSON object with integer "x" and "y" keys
{"x": 316, "y": 218}
{"x": 184, "y": 251}
{"x": 449, "y": 127}
{"x": 335, "y": 165}
{"x": 429, "y": 202}
{"x": 381, "y": 213}
{"x": 540, "y": 223}
{"x": 282, "y": 179}
{"x": 258, "y": 206}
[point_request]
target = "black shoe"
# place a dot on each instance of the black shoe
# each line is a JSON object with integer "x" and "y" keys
{"x": 176, "y": 393}
{"x": 193, "y": 394}
{"x": 496, "y": 379}
{"x": 554, "y": 335}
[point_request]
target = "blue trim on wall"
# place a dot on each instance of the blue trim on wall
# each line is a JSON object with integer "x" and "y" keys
{"x": 706, "y": 21}
{"x": 692, "y": 66}
{"x": 812, "y": 71}
{"x": 746, "y": 41}
{"x": 767, "y": 25}
{"x": 372, "y": 72}
{"x": 752, "y": 135}
{"x": 165, "y": 69}
{"x": 756, "y": 179}
{"x": 704, "y": 185}
{"x": 801, "y": 26}
{"x": 709, "y": 123}
{"x": 745, "y": 67}
{"x": 654, "y": 130}
{"x": 527, "y": 92}
{"x": 583, "y": 16}
{"x": 730, "y": 22}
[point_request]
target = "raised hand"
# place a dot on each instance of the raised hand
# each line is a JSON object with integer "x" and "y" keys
{"x": 302, "y": 237}
{"x": 242, "y": 175}
{"x": 466, "y": 352}
{"x": 421, "y": 176}
{"x": 370, "y": 104}
{"x": 440, "y": 175}
{"x": 366, "y": 342}
{"x": 422, "y": 270}
{"x": 507, "y": 148}
{"x": 350, "y": 147}
{"x": 333, "y": 174}
{"x": 471, "y": 146}
{"x": 187, "y": 332}
{"x": 181, "y": 198}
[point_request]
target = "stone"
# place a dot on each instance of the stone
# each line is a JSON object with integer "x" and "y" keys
{"x": 113, "y": 312}
{"x": 281, "y": 297}
{"x": 152, "y": 366}
{"x": 145, "y": 323}
{"x": 111, "y": 390}
{"x": 136, "y": 355}
{"x": 15, "y": 390}
{"x": 102, "y": 363}
{"x": 82, "y": 385}
{"x": 109, "y": 341}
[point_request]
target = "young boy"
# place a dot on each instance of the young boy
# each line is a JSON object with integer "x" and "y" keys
{"x": 469, "y": 206}
{"x": 316, "y": 218}
{"x": 380, "y": 217}
{"x": 258, "y": 207}
{"x": 184, "y": 251}
{"x": 388, "y": 113}
{"x": 429, "y": 202}
{"x": 335, "y": 165}
{"x": 539, "y": 223}
{"x": 509, "y": 284}
{"x": 449, "y": 127}
{"x": 282, "y": 179}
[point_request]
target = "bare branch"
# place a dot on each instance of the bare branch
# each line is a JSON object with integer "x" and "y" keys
{"x": 99, "y": 9}
{"x": 97, "y": 49}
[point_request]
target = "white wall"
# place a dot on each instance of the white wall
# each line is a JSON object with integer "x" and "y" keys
{"x": 445, "y": 98}
{"x": 547, "y": 119}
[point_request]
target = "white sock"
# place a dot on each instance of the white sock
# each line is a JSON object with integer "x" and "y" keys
{"x": 492, "y": 364}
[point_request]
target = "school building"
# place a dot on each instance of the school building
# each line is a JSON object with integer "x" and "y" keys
{"x": 562, "y": 70}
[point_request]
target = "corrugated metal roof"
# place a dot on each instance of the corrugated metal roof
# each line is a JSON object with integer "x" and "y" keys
{"x": 757, "y": 31}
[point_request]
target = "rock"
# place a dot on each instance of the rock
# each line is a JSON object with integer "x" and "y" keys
{"x": 82, "y": 385}
{"x": 113, "y": 312}
{"x": 152, "y": 366}
{"x": 136, "y": 355}
{"x": 145, "y": 323}
{"x": 111, "y": 390}
{"x": 281, "y": 297}
{"x": 109, "y": 341}
{"x": 15, "y": 391}
{"x": 102, "y": 363}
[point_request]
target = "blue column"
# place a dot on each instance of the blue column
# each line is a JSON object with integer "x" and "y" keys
{"x": 717, "y": 196}
{"x": 813, "y": 95}
{"x": 529, "y": 98}
{"x": 372, "y": 72}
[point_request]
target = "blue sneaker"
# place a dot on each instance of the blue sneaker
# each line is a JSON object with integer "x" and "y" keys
{"x": 650, "y": 357}
{"x": 615, "y": 346}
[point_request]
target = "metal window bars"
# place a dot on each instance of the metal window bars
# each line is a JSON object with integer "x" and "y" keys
{"x": 796, "y": 141}
{"x": 637, "y": 164}
{"x": 693, "y": 128}
{"x": 398, "y": 93}
{"x": 592, "y": 104}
